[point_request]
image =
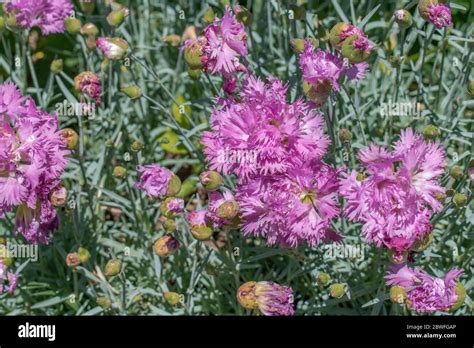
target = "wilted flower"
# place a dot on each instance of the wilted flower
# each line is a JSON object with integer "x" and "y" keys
{"x": 166, "y": 246}
{"x": 269, "y": 298}
{"x": 426, "y": 293}
{"x": 47, "y": 15}
{"x": 396, "y": 200}
{"x": 88, "y": 83}
{"x": 113, "y": 48}
{"x": 32, "y": 159}
{"x": 157, "y": 181}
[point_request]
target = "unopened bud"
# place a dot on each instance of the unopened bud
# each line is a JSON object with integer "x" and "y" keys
{"x": 246, "y": 295}
{"x": 430, "y": 132}
{"x": 460, "y": 199}
{"x": 89, "y": 29}
{"x": 323, "y": 279}
{"x": 456, "y": 172}
{"x": 70, "y": 137}
{"x": 397, "y": 257}
{"x": 113, "y": 48}
{"x": 174, "y": 186}
{"x": 200, "y": 225}
{"x": 87, "y": 6}
{"x": 72, "y": 260}
{"x": 115, "y": 18}
{"x": 173, "y": 298}
{"x": 56, "y": 65}
{"x": 83, "y": 254}
{"x": 193, "y": 52}
{"x": 210, "y": 180}
{"x": 112, "y": 268}
{"x": 345, "y": 135}
{"x": 398, "y": 294}
{"x": 132, "y": 91}
{"x": 72, "y": 25}
{"x": 104, "y": 302}
{"x": 228, "y": 210}
{"x": 120, "y": 172}
{"x": 297, "y": 45}
{"x": 335, "y": 34}
{"x": 171, "y": 207}
{"x": 194, "y": 74}
{"x": 137, "y": 146}
{"x": 337, "y": 290}
{"x": 166, "y": 246}
{"x": 403, "y": 18}
{"x": 58, "y": 197}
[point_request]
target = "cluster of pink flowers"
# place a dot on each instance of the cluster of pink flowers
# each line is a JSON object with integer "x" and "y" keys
{"x": 397, "y": 198}
{"x": 46, "y": 14}
{"x": 33, "y": 156}
{"x": 323, "y": 71}
{"x": 440, "y": 15}
{"x": 426, "y": 293}
{"x": 286, "y": 194}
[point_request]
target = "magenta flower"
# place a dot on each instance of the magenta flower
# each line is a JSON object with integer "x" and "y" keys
{"x": 426, "y": 293}
{"x": 396, "y": 200}
{"x": 175, "y": 205}
{"x": 440, "y": 15}
{"x": 262, "y": 134}
{"x": 33, "y": 156}
{"x": 47, "y": 15}
{"x": 198, "y": 218}
{"x": 292, "y": 208}
{"x": 226, "y": 42}
{"x": 89, "y": 83}
{"x": 155, "y": 180}
{"x": 274, "y": 299}
{"x": 8, "y": 280}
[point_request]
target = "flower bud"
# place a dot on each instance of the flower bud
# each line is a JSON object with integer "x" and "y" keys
{"x": 337, "y": 290}
{"x": 323, "y": 279}
{"x": 113, "y": 48}
{"x": 120, "y": 172}
{"x": 72, "y": 25}
{"x": 398, "y": 294}
{"x": 345, "y": 135}
{"x": 209, "y": 15}
{"x": 115, "y": 18}
{"x": 174, "y": 186}
{"x": 460, "y": 199}
{"x": 113, "y": 267}
{"x": 83, "y": 254}
{"x": 188, "y": 187}
{"x": 403, "y": 18}
{"x": 194, "y": 74}
{"x": 136, "y": 146}
{"x": 456, "y": 172}
{"x": 104, "y": 302}
{"x": 171, "y": 207}
{"x": 210, "y": 180}
{"x": 450, "y": 192}
{"x": 460, "y": 291}
{"x": 440, "y": 196}
{"x": 356, "y": 49}
{"x": 242, "y": 14}
{"x": 56, "y": 65}
{"x": 132, "y": 91}
{"x": 397, "y": 257}
{"x": 168, "y": 224}
{"x": 172, "y": 39}
{"x": 166, "y": 246}
{"x": 200, "y": 226}
{"x": 335, "y": 34}
{"x": 58, "y": 196}
{"x": 297, "y": 45}
{"x": 193, "y": 52}
{"x": 87, "y": 6}
{"x": 228, "y": 210}
{"x": 246, "y": 295}
{"x": 173, "y": 298}
{"x": 89, "y": 29}
{"x": 70, "y": 138}
{"x": 430, "y": 132}
{"x": 72, "y": 260}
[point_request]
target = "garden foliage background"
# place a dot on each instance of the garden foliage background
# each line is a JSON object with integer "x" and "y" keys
{"x": 111, "y": 219}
